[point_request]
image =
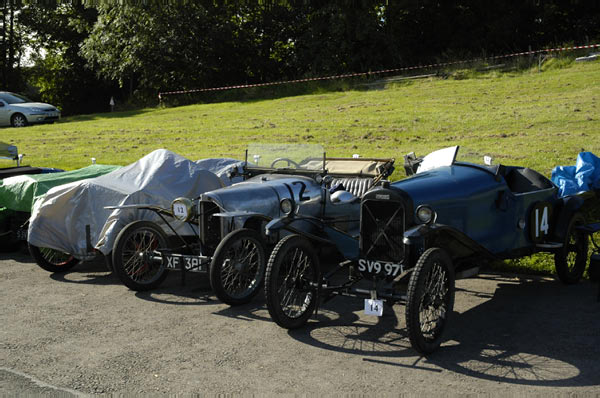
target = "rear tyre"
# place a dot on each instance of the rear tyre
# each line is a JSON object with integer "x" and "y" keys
{"x": 571, "y": 259}
{"x": 18, "y": 120}
{"x": 136, "y": 255}
{"x": 430, "y": 299}
{"x": 52, "y": 260}
{"x": 290, "y": 282}
{"x": 238, "y": 267}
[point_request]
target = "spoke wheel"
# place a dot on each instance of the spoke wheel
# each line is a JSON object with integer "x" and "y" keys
{"x": 18, "y": 120}
{"x": 237, "y": 269}
{"x": 571, "y": 259}
{"x": 52, "y": 260}
{"x": 137, "y": 260}
{"x": 430, "y": 300}
{"x": 292, "y": 272}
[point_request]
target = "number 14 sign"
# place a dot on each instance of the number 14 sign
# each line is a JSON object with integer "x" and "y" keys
{"x": 539, "y": 221}
{"x": 373, "y": 307}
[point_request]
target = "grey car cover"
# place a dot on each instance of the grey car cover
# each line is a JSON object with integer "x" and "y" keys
{"x": 59, "y": 220}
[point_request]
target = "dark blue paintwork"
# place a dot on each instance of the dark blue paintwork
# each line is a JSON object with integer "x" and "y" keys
{"x": 473, "y": 200}
{"x": 466, "y": 197}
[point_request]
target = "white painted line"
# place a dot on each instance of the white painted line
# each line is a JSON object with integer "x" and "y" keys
{"x": 41, "y": 384}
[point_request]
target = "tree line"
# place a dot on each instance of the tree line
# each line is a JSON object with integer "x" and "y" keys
{"x": 77, "y": 55}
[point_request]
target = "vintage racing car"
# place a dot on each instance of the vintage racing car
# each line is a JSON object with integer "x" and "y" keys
{"x": 420, "y": 234}
{"x": 226, "y": 226}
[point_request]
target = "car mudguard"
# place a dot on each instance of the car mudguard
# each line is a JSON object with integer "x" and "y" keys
{"x": 566, "y": 208}
{"x": 455, "y": 242}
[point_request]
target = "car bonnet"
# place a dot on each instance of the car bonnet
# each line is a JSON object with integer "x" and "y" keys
{"x": 262, "y": 194}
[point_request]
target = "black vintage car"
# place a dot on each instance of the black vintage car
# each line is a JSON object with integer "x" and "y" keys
{"x": 420, "y": 234}
{"x": 226, "y": 238}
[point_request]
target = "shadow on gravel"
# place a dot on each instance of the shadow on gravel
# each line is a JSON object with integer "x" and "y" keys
{"x": 20, "y": 254}
{"x": 339, "y": 329}
{"x": 528, "y": 332}
{"x": 88, "y": 273}
{"x": 255, "y": 310}
{"x": 195, "y": 291}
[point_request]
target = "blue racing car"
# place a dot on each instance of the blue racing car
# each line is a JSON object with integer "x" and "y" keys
{"x": 420, "y": 234}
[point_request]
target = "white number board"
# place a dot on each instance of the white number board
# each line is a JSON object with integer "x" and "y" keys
{"x": 180, "y": 211}
{"x": 373, "y": 307}
{"x": 539, "y": 221}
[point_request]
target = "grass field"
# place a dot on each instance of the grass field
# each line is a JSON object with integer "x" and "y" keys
{"x": 530, "y": 118}
{"x": 526, "y": 118}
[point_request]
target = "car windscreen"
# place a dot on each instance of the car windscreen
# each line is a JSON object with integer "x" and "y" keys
{"x": 452, "y": 155}
{"x": 12, "y": 98}
{"x": 286, "y": 156}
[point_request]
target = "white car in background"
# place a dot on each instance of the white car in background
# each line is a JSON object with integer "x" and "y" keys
{"x": 19, "y": 111}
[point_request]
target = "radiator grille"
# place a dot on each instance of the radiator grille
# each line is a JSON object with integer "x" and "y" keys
{"x": 210, "y": 227}
{"x": 382, "y": 230}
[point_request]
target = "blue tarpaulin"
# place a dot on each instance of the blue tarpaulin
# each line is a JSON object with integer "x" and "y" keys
{"x": 584, "y": 176}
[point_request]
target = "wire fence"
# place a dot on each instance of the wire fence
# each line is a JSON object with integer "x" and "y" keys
{"x": 191, "y": 95}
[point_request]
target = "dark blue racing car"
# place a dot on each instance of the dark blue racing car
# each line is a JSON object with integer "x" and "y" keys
{"x": 418, "y": 235}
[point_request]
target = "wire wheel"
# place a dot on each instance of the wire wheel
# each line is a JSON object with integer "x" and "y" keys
{"x": 292, "y": 275}
{"x": 571, "y": 259}
{"x": 237, "y": 269}
{"x": 137, "y": 257}
{"x": 52, "y": 260}
{"x": 430, "y": 300}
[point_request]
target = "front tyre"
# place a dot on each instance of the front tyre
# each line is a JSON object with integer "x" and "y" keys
{"x": 18, "y": 120}
{"x": 52, "y": 260}
{"x": 237, "y": 269}
{"x": 136, "y": 255}
{"x": 570, "y": 260}
{"x": 290, "y": 282}
{"x": 430, "y": 299}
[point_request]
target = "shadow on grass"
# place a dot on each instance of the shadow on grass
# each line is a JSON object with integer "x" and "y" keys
{"x": 473, "y": 69}
{"x": 278, "y": 91}
{"x": 107, "y": 115}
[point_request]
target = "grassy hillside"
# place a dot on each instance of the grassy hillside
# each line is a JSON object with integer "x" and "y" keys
{"x": 526, "y": 118}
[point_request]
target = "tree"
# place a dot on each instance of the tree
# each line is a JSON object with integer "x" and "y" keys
{"x": 58, "y": 71}
{"x": 12, "y": 41}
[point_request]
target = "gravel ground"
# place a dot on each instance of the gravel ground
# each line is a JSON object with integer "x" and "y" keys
{"x": 84, "y": 333}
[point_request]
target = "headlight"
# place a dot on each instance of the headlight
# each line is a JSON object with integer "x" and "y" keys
{"x": 286, "y": 206}
{"x": 425, "y": 214}
{"x": 36, "y": 109}
{"x": 182, "y": 209}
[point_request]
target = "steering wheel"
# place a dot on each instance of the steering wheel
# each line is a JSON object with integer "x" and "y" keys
{"x": 290, "y": 162}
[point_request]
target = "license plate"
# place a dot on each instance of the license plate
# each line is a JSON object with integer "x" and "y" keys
{"x": 21, "y": 234}
{"x": 373, "y": 307}
{"x": 191, "y": 263}
{"x": 376, "y": 267}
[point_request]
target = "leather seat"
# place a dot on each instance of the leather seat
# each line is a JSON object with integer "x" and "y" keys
{"x": 355, "y": 185}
